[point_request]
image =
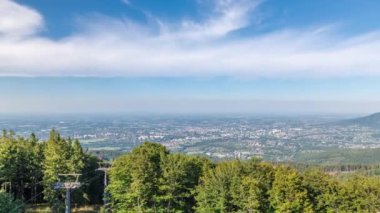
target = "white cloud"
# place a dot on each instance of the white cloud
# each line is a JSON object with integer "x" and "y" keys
{"x": 17, "y": 20}
{"x": 227, "y": 16}
{"x": 110, "y": 47}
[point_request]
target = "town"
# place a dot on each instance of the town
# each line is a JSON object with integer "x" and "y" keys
{"x": 271, "y": 138}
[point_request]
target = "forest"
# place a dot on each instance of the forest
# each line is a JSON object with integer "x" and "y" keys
{"x": 152, "y": 179}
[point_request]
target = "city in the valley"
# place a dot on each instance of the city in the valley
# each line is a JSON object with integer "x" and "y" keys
{"x": 274, "y": 138}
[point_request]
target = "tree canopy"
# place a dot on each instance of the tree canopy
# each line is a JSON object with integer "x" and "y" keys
{"x": 29, "y": 168}
{"x": 152, "y": 179}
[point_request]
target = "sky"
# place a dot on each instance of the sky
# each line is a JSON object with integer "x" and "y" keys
{"x": 190, "y": 56}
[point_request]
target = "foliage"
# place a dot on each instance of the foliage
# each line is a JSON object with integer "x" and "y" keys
{"x": 181, "y": 183}
{"x": 288, "y": 193}
{"x": 360, "y": 194}
{"x": 235, "y": 186}
{"x": 180, "y": 176}
{"x": 151, "y": 179}
{"x": 20, "y": 162}
{"x": 61, "y": 157}
{"x": 29, "y": 168}
{"x": 8, "y": 204}
{"x": 334, "y": 157}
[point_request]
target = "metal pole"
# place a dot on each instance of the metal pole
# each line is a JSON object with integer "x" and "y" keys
{"x": 105, "y": 179}
{"x": 105, "y": 195}
{"x": 104, "y": 167}
{"x": 67, "y": 201}
{"x": 68, "y": 186}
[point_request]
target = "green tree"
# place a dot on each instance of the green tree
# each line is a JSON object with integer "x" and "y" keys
{"x": 323, "y": 190}
{"x": 92, "y": 188}
{"x": 214, "y": 193}
{"x": 360, "y": 194}
{"x": 235, "y": 186}
{"x": 20, "y": 162}
{"x": 288, "y": 194}
{"x": 180, "y": 176}
{"x": 61, "y": 157}
{"x": 246, "y": 195}
{"x": 262, "y": 173}
{"x": 134, "y": 179}
{"x": 8, "y": 204}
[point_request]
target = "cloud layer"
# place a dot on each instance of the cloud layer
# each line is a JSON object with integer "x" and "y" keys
{"x": 122, "y": 47}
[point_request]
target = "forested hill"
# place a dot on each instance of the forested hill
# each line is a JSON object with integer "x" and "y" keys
{"x": 151, "y": 179}
{"x": 372, "y": 121}
{"x": 337, "y": 157}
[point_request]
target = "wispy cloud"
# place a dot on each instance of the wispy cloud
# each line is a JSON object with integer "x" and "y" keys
{"x": 113, "y": 47}
{"x": 226, "y": 16}
{"x": 127, "y": 2}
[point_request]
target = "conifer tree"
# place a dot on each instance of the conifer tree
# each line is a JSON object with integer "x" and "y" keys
{"x": 61, "y": 157}
{"x": 20, "y": 162}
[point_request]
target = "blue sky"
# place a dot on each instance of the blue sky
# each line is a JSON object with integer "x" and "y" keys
{"x": 225, "y": 56}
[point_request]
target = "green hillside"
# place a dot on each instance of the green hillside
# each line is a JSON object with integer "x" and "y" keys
{"x": 341, "y": 157}
{"x": 372, "y": 121}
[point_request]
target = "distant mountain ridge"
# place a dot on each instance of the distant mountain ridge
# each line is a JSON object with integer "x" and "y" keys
{"x": 372, "y": 120}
